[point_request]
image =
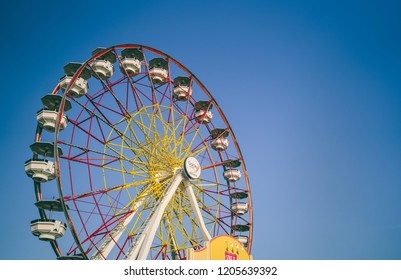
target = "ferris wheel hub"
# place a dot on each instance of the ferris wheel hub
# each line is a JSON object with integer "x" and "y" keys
{"x": 192, "y": 168}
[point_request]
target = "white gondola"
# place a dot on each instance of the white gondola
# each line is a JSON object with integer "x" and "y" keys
{"x": 232, "y": 175}
{"x": 103, "y": 65}
{"x": 182, "y": 88}
{"x": 48, "y": 230}
{"x": 219, "y": 140}
{"x": 80, "y": 87}
{"x": 203, "y": 116}
{"x": 203, "y": 113}
{"x": 40, "y": 170}
{"x": 239, "y": 208}
{"x": 158, "y": 75}
{"x": 241, "y": 238}
{"x": 158, "y": 72}
{"x": 47, "y": 119}
{"x": 131, "y": 66}
{"x": 219, "y": 144}
{"x": 131, "y": 61}
{"x": 182, "y": 93}
{"x": 104, "y": 69}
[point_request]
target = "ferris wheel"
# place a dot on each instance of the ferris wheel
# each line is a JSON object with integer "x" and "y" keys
{"x": 134, "y": 159}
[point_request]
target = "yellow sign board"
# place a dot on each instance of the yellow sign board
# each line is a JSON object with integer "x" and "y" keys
{"x": 222, "y": 247}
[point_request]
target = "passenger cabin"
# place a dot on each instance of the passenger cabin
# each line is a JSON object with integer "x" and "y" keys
{"x": 239, "y": 208}
{"x": 158, "y": 70}
{"x": 202, "y": 112}
{"x": 48, "y": 120}
{"x": 219, "y": 140}
{"x": 80, "y": 86}
{"x": 47, "y": 117}
{"x": 131, "y": 62}
{"x": 103, "y": 65}
{"x": 231, "y": 174}
{"x": 48, "y": 229}
{"x": 182, "y": 88}
{"x": 41, "y": 170}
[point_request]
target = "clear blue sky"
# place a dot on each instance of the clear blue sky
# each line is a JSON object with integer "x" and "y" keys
{"x": 311, "y": 89}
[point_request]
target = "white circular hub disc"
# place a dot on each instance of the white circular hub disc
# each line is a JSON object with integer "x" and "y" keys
{"x": 192, "y": 168}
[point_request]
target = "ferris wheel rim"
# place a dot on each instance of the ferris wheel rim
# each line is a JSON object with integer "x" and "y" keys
{"x": 61, "y": 110}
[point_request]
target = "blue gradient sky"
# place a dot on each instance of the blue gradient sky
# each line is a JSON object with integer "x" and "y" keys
{"x": 311, "y": 89}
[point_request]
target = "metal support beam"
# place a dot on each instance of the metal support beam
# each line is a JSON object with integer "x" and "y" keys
{"x": 111, "y": 239}
{"x": 142, "y": 246}
{"x": 197, "y": 212}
